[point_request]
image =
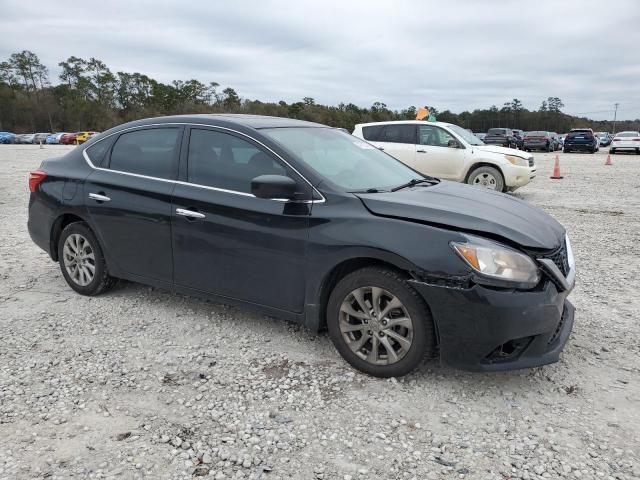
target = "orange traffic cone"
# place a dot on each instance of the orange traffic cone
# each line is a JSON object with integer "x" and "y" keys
{"x": 608, "y": 162}
{"x": 556, "y": 169}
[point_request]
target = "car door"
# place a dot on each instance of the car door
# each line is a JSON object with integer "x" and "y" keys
{"x": 128, "y": 199}
{"x": 228, "y": 242}
{"x": 435, "y": 157}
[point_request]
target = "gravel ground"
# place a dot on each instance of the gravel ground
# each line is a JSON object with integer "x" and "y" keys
{"x": 142, "y": 383}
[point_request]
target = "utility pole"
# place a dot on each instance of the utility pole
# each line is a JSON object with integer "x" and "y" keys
{"x": 615, "y": 114}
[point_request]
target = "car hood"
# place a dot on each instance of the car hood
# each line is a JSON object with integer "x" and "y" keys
{"x": 470, "y": 209}
{"x": 503, "y": 151}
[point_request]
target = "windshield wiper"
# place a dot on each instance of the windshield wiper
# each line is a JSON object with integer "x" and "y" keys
{"x": 416, "y": 181}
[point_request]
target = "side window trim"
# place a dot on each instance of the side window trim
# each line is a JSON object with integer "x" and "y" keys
{"x": 317, "y": 197}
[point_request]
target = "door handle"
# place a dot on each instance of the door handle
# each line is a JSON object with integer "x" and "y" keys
{"x": 189, "y": 213}
{"x": 99, "y": 198}
{"x": 421, "y": 151}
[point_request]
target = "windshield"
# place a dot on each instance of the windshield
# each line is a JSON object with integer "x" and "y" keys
{"x": 345, "y": 160}
{"x": 466, "y": 135}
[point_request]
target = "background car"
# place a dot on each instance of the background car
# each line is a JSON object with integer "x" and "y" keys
{"x": 519, "y": 134}
{"x": 556, "y": 142}
{"x": 82, "y": 137}
{"x": 629, "y": 141}
{"x": 581, "y": 139}
{"x": 539, "y": 140}
{"x": 501, "y": 136}
{"x": 7, "y": 137}
{"x": 54, "y": 138}
{"x": 450, "y": 152}
{"x": 25, "y": 138}
{"x": 40, "y": 138}
{"x": 68, "y": 139}
{"x": 480, "y": 135}
{"x": 604, "y": 138}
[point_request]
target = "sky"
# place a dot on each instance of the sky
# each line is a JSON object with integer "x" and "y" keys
{"x": 457, "y": 55}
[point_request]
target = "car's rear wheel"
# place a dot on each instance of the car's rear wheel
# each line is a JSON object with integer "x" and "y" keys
{"x": 82, "y": 261}
{"x": 566, "y": 150}
{"x": 379, "y": 323}
{"x": 487, "y": 177}
{"x": 612, "y": 151}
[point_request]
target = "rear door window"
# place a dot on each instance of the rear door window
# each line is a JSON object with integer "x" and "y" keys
{"x": 150, "y": 152}
{"x": 399, "y": 133}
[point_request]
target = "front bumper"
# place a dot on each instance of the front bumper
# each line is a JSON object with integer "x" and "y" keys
{"x": 485, "y": 329}
{"x": 518, "y": 176}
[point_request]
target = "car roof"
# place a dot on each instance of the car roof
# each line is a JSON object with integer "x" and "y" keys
{"x": 411, "y": 122}
{"x": 251, "y": 121}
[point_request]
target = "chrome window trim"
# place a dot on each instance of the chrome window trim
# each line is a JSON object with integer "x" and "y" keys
{"x": 207, "y": 187}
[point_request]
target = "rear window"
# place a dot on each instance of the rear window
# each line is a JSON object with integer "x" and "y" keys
{"x": 496, "y": 131}
{"x": 628, "y": 134}
{"x": 372, "y": 132}
{"x": 151, "y": 152}
{"x": 537, "y": 133}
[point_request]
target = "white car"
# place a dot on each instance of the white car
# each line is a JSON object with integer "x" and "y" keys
{"x": 626, "y": 141}
{"x": 450, "y": 152}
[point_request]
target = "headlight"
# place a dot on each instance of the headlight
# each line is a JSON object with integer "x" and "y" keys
{"x": 498, "y": 264}
{"x": 515, "y": 160}
{"x": 570, "y": 260}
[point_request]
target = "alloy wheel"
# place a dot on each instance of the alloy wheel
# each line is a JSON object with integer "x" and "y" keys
{"x": 376, "y": 325}
{"x": 79, "y": 259}
{"x": 485, "y": 180}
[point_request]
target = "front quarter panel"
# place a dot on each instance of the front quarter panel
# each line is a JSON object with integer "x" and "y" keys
{"x": 342, "y": 229}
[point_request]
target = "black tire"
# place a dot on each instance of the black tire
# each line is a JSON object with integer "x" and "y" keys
{"x": 566, "y": 150}
{"x": 423, "y": 342}
{"x": 500, "y": 186}
{"x": 550, "y": 148}
{"x": 592, "y": 150}
{"x": 101, "y": 281}
{"x": 612, "y": 151}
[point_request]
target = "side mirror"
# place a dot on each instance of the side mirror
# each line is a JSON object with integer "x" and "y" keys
{"x": 273, "y": 186}
{"x": 453, "y": 144}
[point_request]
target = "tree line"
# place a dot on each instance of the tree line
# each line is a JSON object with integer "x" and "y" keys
{"x": 89, "y": 96}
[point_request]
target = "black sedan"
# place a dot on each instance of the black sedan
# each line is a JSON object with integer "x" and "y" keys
{"x": 313, "y": 225}
{"x": 501, "y": 136}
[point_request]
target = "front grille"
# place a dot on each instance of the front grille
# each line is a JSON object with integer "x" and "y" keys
{"x": 558, "y": 329}
{"x": 559, "y": 257}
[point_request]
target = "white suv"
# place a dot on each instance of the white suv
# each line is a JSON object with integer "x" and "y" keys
{"x": 450, "y": 152}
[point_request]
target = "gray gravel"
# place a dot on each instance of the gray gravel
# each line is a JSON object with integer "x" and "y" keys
{"x": 141, "y": 383}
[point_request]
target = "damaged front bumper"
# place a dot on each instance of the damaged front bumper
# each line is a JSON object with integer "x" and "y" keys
{"x": 486, "y": 329}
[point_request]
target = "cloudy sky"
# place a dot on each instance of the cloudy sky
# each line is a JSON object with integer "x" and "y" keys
{"x": 455, "y": 54}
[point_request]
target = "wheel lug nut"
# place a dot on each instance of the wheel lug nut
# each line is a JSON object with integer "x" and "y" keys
{"x": 381, "y": 334}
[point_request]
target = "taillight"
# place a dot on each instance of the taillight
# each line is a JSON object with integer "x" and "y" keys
{"x": 636, "y": 139}
{"x": 35, "y": 178}
{"x": 616, "y": 139}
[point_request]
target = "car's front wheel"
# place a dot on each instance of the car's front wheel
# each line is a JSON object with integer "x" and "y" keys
{"x": 82, "y": 261}
{"x": 379, "y": 323}
{"x": 487, "y": 177}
